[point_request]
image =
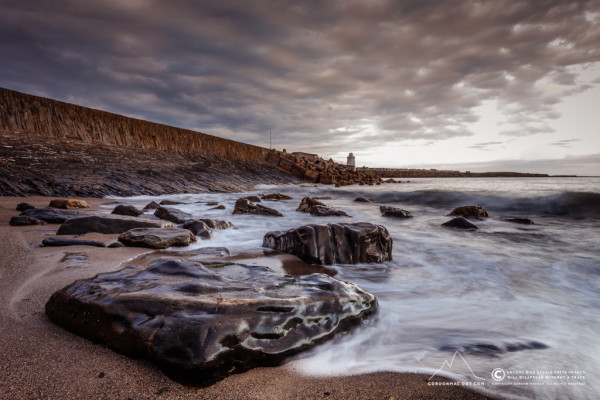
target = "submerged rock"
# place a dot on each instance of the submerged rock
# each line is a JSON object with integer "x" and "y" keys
{"x": 362, "y": 200}
{"x": 315, "y": 207}
{"x": 216, "y": 223}
{"x": 68, "y": 203}
{"x": 24, "y": 206}
{"x": 219, "y": 207}
{"x": 151, "y": 206}
{"x": 476, "y": 212}
{"x": 126, "y": 210}
{"x": 52, "y": 215}
{"x": 520, "y": 220}
{"x": 22, "y": 220}
{"x": 360, "y": 242}
{"x": 172, "y": 214}
{"x": 253, "y": 199}
{"x": 460, "y": 223}
{"x": 107, "y": 224}
{"x": 245, "y": 206}
{"x": 202, "y": 324}
{"x": 157, "y": 238}
{"x": 394, "y": 212}
{"x": 53, "y": 242}
{"x": 198, "y": 228}
{"x": 170, "y": 203}
{"x": 276, "y": 197}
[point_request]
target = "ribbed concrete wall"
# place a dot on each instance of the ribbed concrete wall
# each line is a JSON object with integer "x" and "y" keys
{"x": 21, "y": 112}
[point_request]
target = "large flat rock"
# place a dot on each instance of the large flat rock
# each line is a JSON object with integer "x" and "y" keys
{"x": 360, "y": 242}
{"x": 157, "y": 238}
{"x": 107, "y": 224}
{"x": 53, "y": 215}
{"x": 200, "y": 324}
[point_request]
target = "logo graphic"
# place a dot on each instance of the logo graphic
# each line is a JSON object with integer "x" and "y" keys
{"x": 498, "y": 374}
{"x": 449, "y": 364}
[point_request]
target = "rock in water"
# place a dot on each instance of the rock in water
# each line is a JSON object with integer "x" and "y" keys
{"x": 157, "y": 238}
{"x": 394, "y": 212}
{"x": 173, "y": 215}
{"x": 151, "y": 206}
{"x": 476, "y": 212}
{"x": 22, "y": 220}
{"x": 362, "y": 200}
{"x": 68, "y": 203}
{"x": 315, "y": 207}
{"x": 253, "y": 199}
{"x": 520, "y": 220}
{"x": 245, "y": 206}
{"x": 216, "y": 223}
{"x": 202, "y": 324}
{"x": 126, "y": 210}
{"x": 106, "y": 224}
{"x": 52, "y": 241}
{"x": 460, "y": 223}
{"x": 198, "y": 228}
{"x": 276, "y": 197}
{"x": 329, "y": 244}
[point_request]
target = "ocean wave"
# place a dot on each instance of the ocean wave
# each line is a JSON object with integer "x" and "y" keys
{"x": 569, "y": 204}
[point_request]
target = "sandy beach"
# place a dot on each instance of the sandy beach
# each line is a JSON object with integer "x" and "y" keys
{"x": 41, "y": 360}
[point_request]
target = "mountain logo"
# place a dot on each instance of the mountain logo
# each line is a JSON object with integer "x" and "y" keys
{"x": 450, "y": 363}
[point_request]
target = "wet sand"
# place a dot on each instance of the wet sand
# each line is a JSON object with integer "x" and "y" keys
{"x": 41, "y": 360}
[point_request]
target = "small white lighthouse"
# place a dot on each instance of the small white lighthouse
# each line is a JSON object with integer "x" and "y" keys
{"x": 351, "y": 162}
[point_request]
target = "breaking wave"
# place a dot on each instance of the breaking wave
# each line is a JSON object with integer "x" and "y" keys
{"x": 569, "y": 204}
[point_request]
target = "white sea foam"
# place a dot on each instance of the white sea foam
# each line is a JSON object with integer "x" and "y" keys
{"x": 509, "y": 296}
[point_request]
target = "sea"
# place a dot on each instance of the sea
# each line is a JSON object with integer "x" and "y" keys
{"x": 509, "y": 310}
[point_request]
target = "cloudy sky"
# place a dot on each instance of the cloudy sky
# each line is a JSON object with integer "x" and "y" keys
{"x": 479, "y": 85}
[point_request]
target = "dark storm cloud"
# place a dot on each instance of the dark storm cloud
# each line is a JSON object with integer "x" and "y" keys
{"x": 322, "y": 75}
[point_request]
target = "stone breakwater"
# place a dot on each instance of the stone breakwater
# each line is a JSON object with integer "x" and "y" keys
{"x": 53, "y": 148}
{"x": 33, "y": 164}
{"x": 21, "y": 112}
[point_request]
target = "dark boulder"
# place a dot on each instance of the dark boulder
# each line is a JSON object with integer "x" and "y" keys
{"x": 326, "y": 211}
{"x": 170, "y": 203}
{"x": 126, "y": 210}
{"x": 157, "y": 238}
{"x": 253, "y": 199}
{"x": 24, "y": 206}
{"x": 53, "y": 216}
{"x": 519, "y": 220}
{"x": 151, "y": 206}
{"x": 360, "y": 242}
{"x": 219, "y": 207}
{"x": 198, "y": 228}
{"x": 394, "y": 212}
{"x": 172, "y": 214}
{"x": 315, "y": 207}
{"x": 307, "y": 204}
{"x": 115, "y": 245}
{"x": 245, "y": 206}
{"x": 202, "y": 324}
{"x": 106, "y": 224}
{"x": 476, "y": 212}
{"x": 362, "y": 200}
{"x": 216, "y": 223}
{"x": 22, "y": 220}
{"x": 459, "y": 223}
{"x": 276, "y": 197}
{"x": 54, "y": 242}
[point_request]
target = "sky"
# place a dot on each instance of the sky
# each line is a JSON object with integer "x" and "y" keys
{"x": 465, "y": 85}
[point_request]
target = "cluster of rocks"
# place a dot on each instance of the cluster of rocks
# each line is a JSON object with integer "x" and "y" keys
{"x": 312, "y": 168}
{"x": 464, "y": 213}
{"x": 247, "y": 205}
